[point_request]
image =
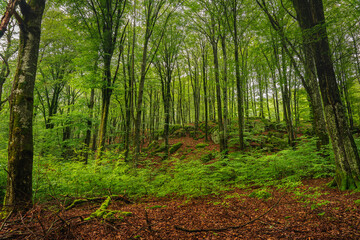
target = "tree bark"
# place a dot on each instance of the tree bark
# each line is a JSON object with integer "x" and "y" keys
{"x": 21, "y": 149}
{"x": 312, "y": 20}
{"x": 218, "y": 94}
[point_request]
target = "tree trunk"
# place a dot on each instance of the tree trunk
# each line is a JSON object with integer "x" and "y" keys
{"x": 89, "y": 126}
{"x": 312, "y": 20}
{"x": 225, "y": 97}
{"x": 204, "y": 77}
{"x": 105, "y": 104}
{"x": 21, "y": 149}
{"x": 218, "y": 95}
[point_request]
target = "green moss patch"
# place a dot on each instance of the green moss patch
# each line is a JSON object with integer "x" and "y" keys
{"x": 104, "y": 213}
{"x": 175, "y": 147}
{"x": 201, "y": 145}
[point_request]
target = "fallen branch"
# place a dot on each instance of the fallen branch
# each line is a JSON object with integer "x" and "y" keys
{"x": 231, "y": 227}
{"x": 7, "y": 217}
{"x": 77, "y": 202}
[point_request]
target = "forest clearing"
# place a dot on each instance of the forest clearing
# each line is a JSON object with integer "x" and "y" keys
{"x": 180, "y": 119}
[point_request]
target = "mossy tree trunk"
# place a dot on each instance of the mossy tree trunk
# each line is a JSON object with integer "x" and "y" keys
{"x": 20, "y": 148}
{"x": 309, "y": 81}
{"x": 312, "y": 20}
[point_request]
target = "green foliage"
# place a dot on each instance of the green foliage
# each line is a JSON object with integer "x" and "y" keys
{"x": 262, "y": 193}
{"x": 157, "y": 206}
{"x": 207, "y": 157}
{"x": 191, "y": 178}
{"x": 201, "y": 145}
{"x": 175, "y": 147}
{"x": 288, "y": 165}
{"x": 310, "y": 197}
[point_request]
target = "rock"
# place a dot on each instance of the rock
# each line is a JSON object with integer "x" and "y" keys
{"x": 175, "y": 147}
{"x": 215, "y": 137}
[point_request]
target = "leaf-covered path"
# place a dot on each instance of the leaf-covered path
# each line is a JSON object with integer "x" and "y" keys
{"x": 311, "y": 211}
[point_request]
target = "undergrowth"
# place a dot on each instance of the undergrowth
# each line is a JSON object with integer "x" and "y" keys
{"x": 111, "y": 175}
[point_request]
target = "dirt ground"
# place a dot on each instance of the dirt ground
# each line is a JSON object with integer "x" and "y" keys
{"x": 314, "y": 211}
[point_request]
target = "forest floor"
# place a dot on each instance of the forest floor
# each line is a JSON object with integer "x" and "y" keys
{"x": 309, "y": 211}
{"x": 313, "y": 212}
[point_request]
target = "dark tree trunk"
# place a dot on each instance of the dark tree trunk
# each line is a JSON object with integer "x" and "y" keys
{"x": 89, "y": 126}
{"x": 218, "y": 94}
{"x": 20, "y": 149}
{"x": 204, "y": 77}
{"x": 312, "y": 20}
{"x": 225, "y": 87}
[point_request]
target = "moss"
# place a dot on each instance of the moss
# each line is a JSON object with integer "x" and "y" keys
{"x": 201, "y": 145}
{"x": 174, "y": 128}
{"x": 346, "y": 181}
{"x": 179, "y": 133}
{"x": 175, "y": 147}
{"x": 199, "y": 137}
{"x": 207, "y": 157}
{"x": 189, "y": 128}
{"x": 75, "y": 203}
{"x": 160, "y": 148}
{"x": 152, "y": 145}
{"x": 104, "y": 213}
{"x": 157, "y": 206}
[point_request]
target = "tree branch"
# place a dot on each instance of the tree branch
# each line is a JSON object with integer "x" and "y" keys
{"x": 10, "y": 9}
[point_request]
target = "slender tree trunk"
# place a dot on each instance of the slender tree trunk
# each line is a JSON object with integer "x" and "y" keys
{"x": 218, "y": 95}
{"x": 204, "y": 77}
{"x": 89, "y": 126}
{"x": 267, "y": 97}
{"x": 137, "y": 141}
{"x": 21, "y": 148}
{"x": 225, "y": 94}
{"x": 106, "y": 96}
{"x": 261, "y": 97}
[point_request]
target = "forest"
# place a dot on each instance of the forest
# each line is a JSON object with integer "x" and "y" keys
{"x": 180, "y": 119}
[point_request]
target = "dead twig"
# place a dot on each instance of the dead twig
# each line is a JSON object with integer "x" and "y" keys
{"x": 140, "y": 229}
{"x": 231, "y": 227}
{"x": 7, "y": 217}
{"x": 148, "y": 221}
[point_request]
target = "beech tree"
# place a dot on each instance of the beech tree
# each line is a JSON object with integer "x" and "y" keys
{"x": 311, "y": 19}
{"x": 21, "y": 147}
{"x": 104, "y": 23}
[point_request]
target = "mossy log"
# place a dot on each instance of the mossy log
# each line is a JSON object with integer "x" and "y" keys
{"x": 104, "y": 213}
{"x": 175, "y": 147}
{"x": 77, "y": 202}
